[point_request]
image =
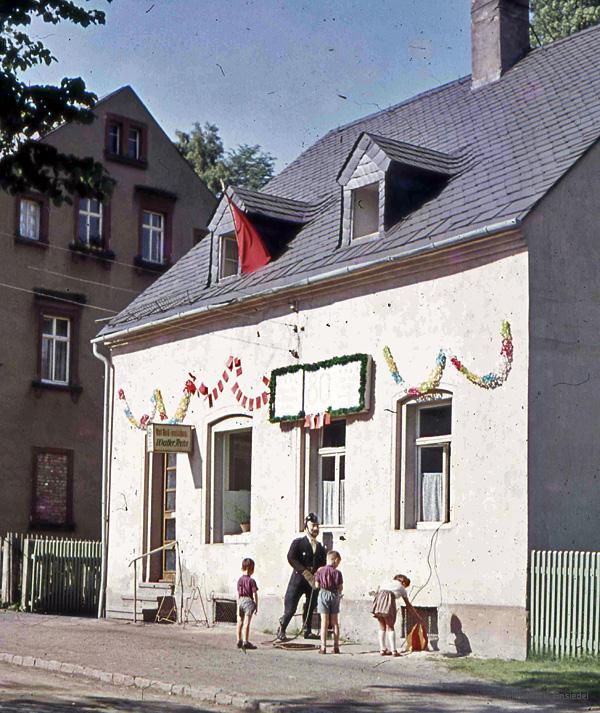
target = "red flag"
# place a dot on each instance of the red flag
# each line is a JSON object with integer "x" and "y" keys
{"x": 252, "y": 251}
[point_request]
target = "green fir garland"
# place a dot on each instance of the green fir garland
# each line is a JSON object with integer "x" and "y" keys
{"x": 335, "y": 361}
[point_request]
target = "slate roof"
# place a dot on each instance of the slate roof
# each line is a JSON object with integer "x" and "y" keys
{"x": 518, "y": 136}
{"x": 407, "y": 155}
{"x": 290, "y": 211}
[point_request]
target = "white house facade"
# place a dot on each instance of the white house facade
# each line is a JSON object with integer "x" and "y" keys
{"x": 405, "y": 366}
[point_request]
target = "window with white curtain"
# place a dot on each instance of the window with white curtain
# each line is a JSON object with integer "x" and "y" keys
{"x": 433, "y": 439}
{"x": 29, "y": 219}
{"x": 423, "y": 483}
{"x": 327, "y": 473}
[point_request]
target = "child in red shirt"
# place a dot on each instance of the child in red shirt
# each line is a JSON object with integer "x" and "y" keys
{"x": 247, "y": 604}
{"x": 330, "y": 583}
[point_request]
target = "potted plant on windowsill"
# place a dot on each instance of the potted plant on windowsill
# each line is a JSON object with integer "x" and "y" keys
{"x": 242, "y": 517}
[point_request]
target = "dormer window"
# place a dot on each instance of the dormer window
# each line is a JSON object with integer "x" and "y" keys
{"x": 385, "y": 181}
{"x": 229, "y": 263}
{"x": 365, "y": 211}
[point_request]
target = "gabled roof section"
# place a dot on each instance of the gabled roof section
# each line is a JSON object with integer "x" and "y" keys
{"x": 383, "y": 151}
{"x": 521, "y": 134}
{"x": 265, "y": 205}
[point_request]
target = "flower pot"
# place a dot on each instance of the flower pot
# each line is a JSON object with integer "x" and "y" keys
{"x": 245, "y": 526}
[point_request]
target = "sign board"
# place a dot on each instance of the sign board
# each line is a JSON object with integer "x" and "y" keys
{"x": 169, "y": 438}
{"x": 338, "y": 386}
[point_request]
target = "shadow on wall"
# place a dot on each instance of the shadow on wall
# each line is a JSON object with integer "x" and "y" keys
{"x": 461, "y": 640}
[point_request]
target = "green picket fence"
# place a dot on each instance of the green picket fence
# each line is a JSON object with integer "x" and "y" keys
{"x": 60, "y": 576}
{"x": 564, "y": 603}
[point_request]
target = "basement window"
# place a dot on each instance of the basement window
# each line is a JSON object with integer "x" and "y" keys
{"x": 365, "y": 211}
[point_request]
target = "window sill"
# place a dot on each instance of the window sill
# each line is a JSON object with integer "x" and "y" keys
{"x": 39, "y": 525}
{"x": 139, "y": 261}
{"x": 434, "y": 525}
{"x": 74, "y": 389}
{"x": 242, "y": 538}
{"x": 36, "y": 243}
{"x": 365, "y": 238}
{"x": 140, "y": 163}
{"x": 84, "y": 250}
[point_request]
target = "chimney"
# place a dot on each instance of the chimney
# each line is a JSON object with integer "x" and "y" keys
{"x": 499, "y": 37}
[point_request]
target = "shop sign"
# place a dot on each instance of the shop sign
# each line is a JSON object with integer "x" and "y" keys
{"x": 163, "y": 438}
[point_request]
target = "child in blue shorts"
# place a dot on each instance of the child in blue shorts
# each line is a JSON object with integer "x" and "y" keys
{"x": 330, "y": 583}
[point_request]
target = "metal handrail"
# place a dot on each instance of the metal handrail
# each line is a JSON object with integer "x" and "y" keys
{"x": 168, "y": 546}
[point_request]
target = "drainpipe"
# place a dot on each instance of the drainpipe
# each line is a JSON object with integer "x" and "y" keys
{"x": 106, "y": 448}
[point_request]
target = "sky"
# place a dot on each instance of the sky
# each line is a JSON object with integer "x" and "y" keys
{"x": 279, "y": 73}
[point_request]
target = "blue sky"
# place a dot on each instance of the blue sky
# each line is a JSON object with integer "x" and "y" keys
{"x": 278, "y": 73}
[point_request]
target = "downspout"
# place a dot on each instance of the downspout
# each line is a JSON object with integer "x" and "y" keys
{"x": 106, "y": 447}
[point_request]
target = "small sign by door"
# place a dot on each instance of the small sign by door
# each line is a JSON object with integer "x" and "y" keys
{"x": 169, "y": 438}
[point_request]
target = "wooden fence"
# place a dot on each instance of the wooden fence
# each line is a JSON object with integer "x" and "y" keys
{"x": 50, "y": 575}
{"x": 564, "y": 603}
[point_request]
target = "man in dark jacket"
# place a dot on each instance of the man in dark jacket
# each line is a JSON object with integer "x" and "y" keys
{"x": 305, "y": 555}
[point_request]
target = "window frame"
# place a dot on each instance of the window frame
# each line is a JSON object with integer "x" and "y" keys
{"x": 152, "y": 231}
{"x": 87, "y": 241}
{"x": 45, "y": 305}
{"x": 408, "y": 447}
{"x": 55, "y": 338}
{"x": 151, "y": 200}
{"x": 223, "y": 239}
{"x": 34, "y": 522}
{"x": 42, "y": 202}
{"x": 214, "y": 528}
{"x": 353, "y": 196}
{"x": 313, "y": 454}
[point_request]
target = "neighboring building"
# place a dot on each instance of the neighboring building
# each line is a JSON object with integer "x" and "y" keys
{"x": 412, "y": 249}
{"x": 64, "y": 269}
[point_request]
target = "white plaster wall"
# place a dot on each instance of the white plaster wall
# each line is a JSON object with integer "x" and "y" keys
{"x": 479, "y": 558}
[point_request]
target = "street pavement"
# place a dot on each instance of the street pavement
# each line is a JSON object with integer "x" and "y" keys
{"x": 30, "y": 690}
{"x": 204, "y": 664}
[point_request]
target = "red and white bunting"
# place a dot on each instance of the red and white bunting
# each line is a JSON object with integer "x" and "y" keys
{"x": 317, "y": 420}
{"x": 248, "y": 402}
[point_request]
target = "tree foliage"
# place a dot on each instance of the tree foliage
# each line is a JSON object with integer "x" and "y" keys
{"x": 247, "y": 165}
{"x": 553, "y": 19}
{"x": 28, "y": 112}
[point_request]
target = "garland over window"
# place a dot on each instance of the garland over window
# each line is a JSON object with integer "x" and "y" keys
{"x": 491, "y": 380}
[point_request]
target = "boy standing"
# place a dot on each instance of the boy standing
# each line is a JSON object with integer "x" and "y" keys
{"x": 330, "y": 583}
{"x": 247, "y": 604}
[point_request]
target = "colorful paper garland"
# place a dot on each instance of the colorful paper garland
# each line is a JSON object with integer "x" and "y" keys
{"x": 247, "y": 402}
{"x": 159, "y": 405}
{"x": 491, "y": 380}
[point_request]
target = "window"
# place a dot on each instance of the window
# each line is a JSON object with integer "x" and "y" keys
{"x": 56, "y": 338}
{"x": 365, "y": 211}
{"x": 52, "y": 484}
{"x": 426, "y": 461}
{"x": 230, "y": 261}
{"x": 90, "y": 222}
{"x": 327, "y": 473}
{"x": 231, "y": 477}
{"x": 134, "y": 143}
{"x": 30, "y": 213}
{"x": 153, "y": 237}
{"x": 169, "y": 523}
{"x": 114, "y": 138}
{"x": 126, "y": 141}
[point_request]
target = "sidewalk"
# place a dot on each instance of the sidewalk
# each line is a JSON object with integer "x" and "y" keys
{"x": 204, "y": 664}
